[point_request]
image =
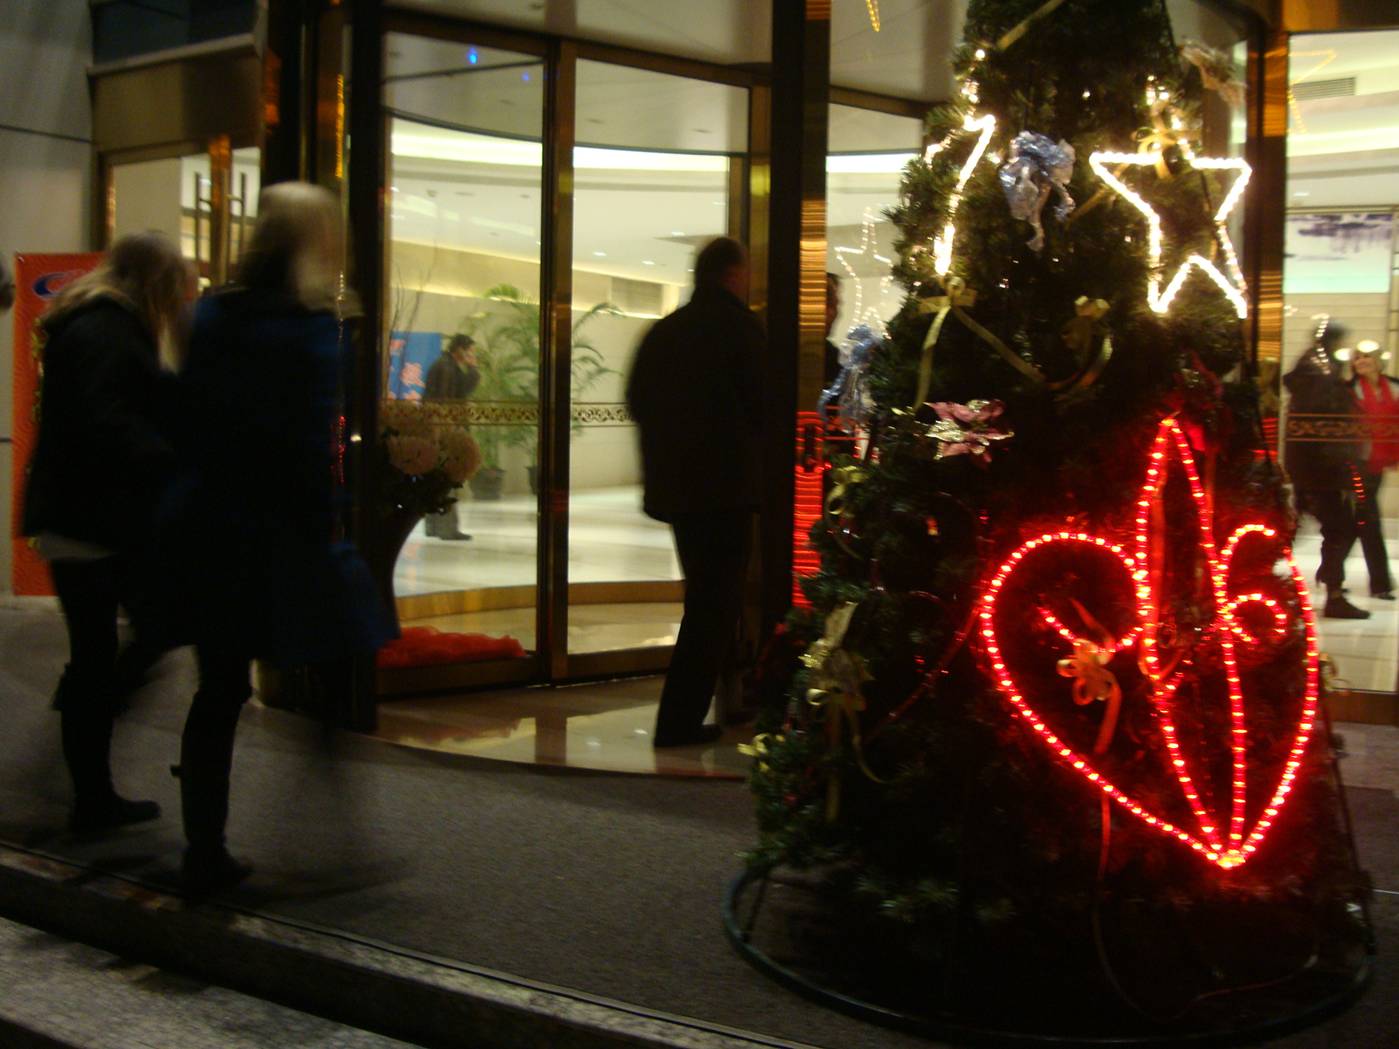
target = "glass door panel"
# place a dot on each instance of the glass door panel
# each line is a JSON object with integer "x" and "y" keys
{"x": 1341, "y": 280}
{"x": 652, "y": 170}
{"x": 463, "y": 317}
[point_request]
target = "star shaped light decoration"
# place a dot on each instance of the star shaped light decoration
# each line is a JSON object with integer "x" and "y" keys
{"x": 1159, "y": 299}
{"x": 870, "y": 316}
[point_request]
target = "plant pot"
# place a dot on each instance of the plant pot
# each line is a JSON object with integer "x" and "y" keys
{"x": 488, "y": 483}
{"x": 383, "y": 549}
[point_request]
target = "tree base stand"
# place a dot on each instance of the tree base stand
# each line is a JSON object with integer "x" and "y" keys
{"x": 796, "y": 931}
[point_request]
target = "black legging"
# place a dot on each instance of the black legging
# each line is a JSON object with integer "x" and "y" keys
{"x": 89, "y": 593}
{"x": 206, "y": 747}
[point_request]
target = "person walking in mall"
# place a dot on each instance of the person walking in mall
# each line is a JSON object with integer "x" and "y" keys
{"x": 265, "y": 578}
{"x": 452, "y": 379}
{"x": 1321, "y": 470}
{"x": 693, "y": 390}
{"x": 100, "y": 464}
{"x": 1378, "y": 397}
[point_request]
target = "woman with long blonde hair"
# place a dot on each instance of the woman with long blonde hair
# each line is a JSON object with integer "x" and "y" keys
{"x": 100, "y": 463}
{"x": 262, "y": 391}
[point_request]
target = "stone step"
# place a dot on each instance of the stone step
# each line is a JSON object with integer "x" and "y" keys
{"x": 372, "y": 988}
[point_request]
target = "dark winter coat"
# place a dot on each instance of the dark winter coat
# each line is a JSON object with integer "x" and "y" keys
{"x": 1316, "y": 388}
{"x": 448, "y": 381}
{"x": 254, "y": 521}
{"x": 102, "y": 456}
{"x": 693, "y": 390}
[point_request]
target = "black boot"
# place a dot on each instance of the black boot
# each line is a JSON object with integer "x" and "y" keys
{"x": 87, "y": 742}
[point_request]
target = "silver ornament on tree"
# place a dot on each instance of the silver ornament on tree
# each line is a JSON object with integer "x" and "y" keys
{"x": 1037, "y": 167}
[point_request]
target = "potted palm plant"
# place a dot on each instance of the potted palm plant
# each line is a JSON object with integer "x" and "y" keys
{"x": 508, "y": 357}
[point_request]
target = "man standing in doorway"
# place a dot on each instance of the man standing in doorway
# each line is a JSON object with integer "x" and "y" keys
{"x": 693, "y": 390}
{"x": 453, "y": 377}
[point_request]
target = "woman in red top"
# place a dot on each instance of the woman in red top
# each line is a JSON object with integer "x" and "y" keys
{"x": 1378, "y": 397}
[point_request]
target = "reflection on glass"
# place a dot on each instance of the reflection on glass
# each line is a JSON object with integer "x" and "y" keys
{"x": 651, "y": 184}
{"x": 1340, "y": 269}
{"x": 868, "y": 152}
{"x": 463, "y": 336}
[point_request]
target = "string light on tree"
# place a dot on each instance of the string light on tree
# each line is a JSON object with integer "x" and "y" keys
{"x": 1225, "y": 848}
{"x": 985, "y": 126}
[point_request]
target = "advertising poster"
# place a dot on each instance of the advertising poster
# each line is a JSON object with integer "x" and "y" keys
{"x": 1338, "y": 252}
{"x": 411, "y": 354}
{"x": 38, "y": 278}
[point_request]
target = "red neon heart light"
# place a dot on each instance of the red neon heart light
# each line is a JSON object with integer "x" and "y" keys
{"x": 1225, "y": 839}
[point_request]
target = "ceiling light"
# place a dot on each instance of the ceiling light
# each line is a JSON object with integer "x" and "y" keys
{"x": 677, "y": 233}
{"x": 600, "y": 254}
{"x": 648, "y": 262}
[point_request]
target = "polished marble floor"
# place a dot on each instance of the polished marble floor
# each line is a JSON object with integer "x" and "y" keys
{"x": 1365, "y": 651}
{"x": 604, "y": 726}
{"x": 610, "y": 540}
{"x": 591, "y": 628}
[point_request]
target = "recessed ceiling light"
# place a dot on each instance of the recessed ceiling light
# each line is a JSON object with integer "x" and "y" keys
{"x": 1301, "y": 193}
{"x": 600, "y": 254}
{"x": 677, "y": 233}
{"x": 648, "y": 262}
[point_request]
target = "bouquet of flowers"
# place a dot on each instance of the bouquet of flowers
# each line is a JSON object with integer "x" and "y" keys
{"x": 422, "y": 459}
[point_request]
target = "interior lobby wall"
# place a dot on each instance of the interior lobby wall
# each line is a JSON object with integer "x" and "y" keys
{"x": 45, "y": 159}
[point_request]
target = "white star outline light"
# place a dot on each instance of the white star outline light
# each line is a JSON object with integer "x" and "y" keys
{"x": 870, "y": 316}
{"x": 1157, "y": 298}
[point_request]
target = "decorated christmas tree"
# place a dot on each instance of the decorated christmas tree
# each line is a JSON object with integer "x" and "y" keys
{"x": 1056, "y": 729}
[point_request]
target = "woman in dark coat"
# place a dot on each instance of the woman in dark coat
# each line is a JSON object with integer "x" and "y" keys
{"x": 99, "y": 465}
{"x": 261, "y": 389}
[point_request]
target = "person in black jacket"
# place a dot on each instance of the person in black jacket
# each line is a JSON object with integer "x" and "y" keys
{"x": 1321, "y": 471}
{"x": 261, "y": 568}
{"x": 453, "y": 377}
{"x": 99, "y": 466}
{"x": 693, "y": 390}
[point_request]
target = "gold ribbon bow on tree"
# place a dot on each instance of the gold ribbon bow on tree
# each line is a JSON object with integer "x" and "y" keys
{"x": 843, "y": 480}
{"x": 1093, "y": 681}
{"x": 1167, "y": 131}
{"x": 834, "y": 684}
{"x": 958, "y": 294}
{"x": 760, "y": 748}
{"x": 1078, "y": 332}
